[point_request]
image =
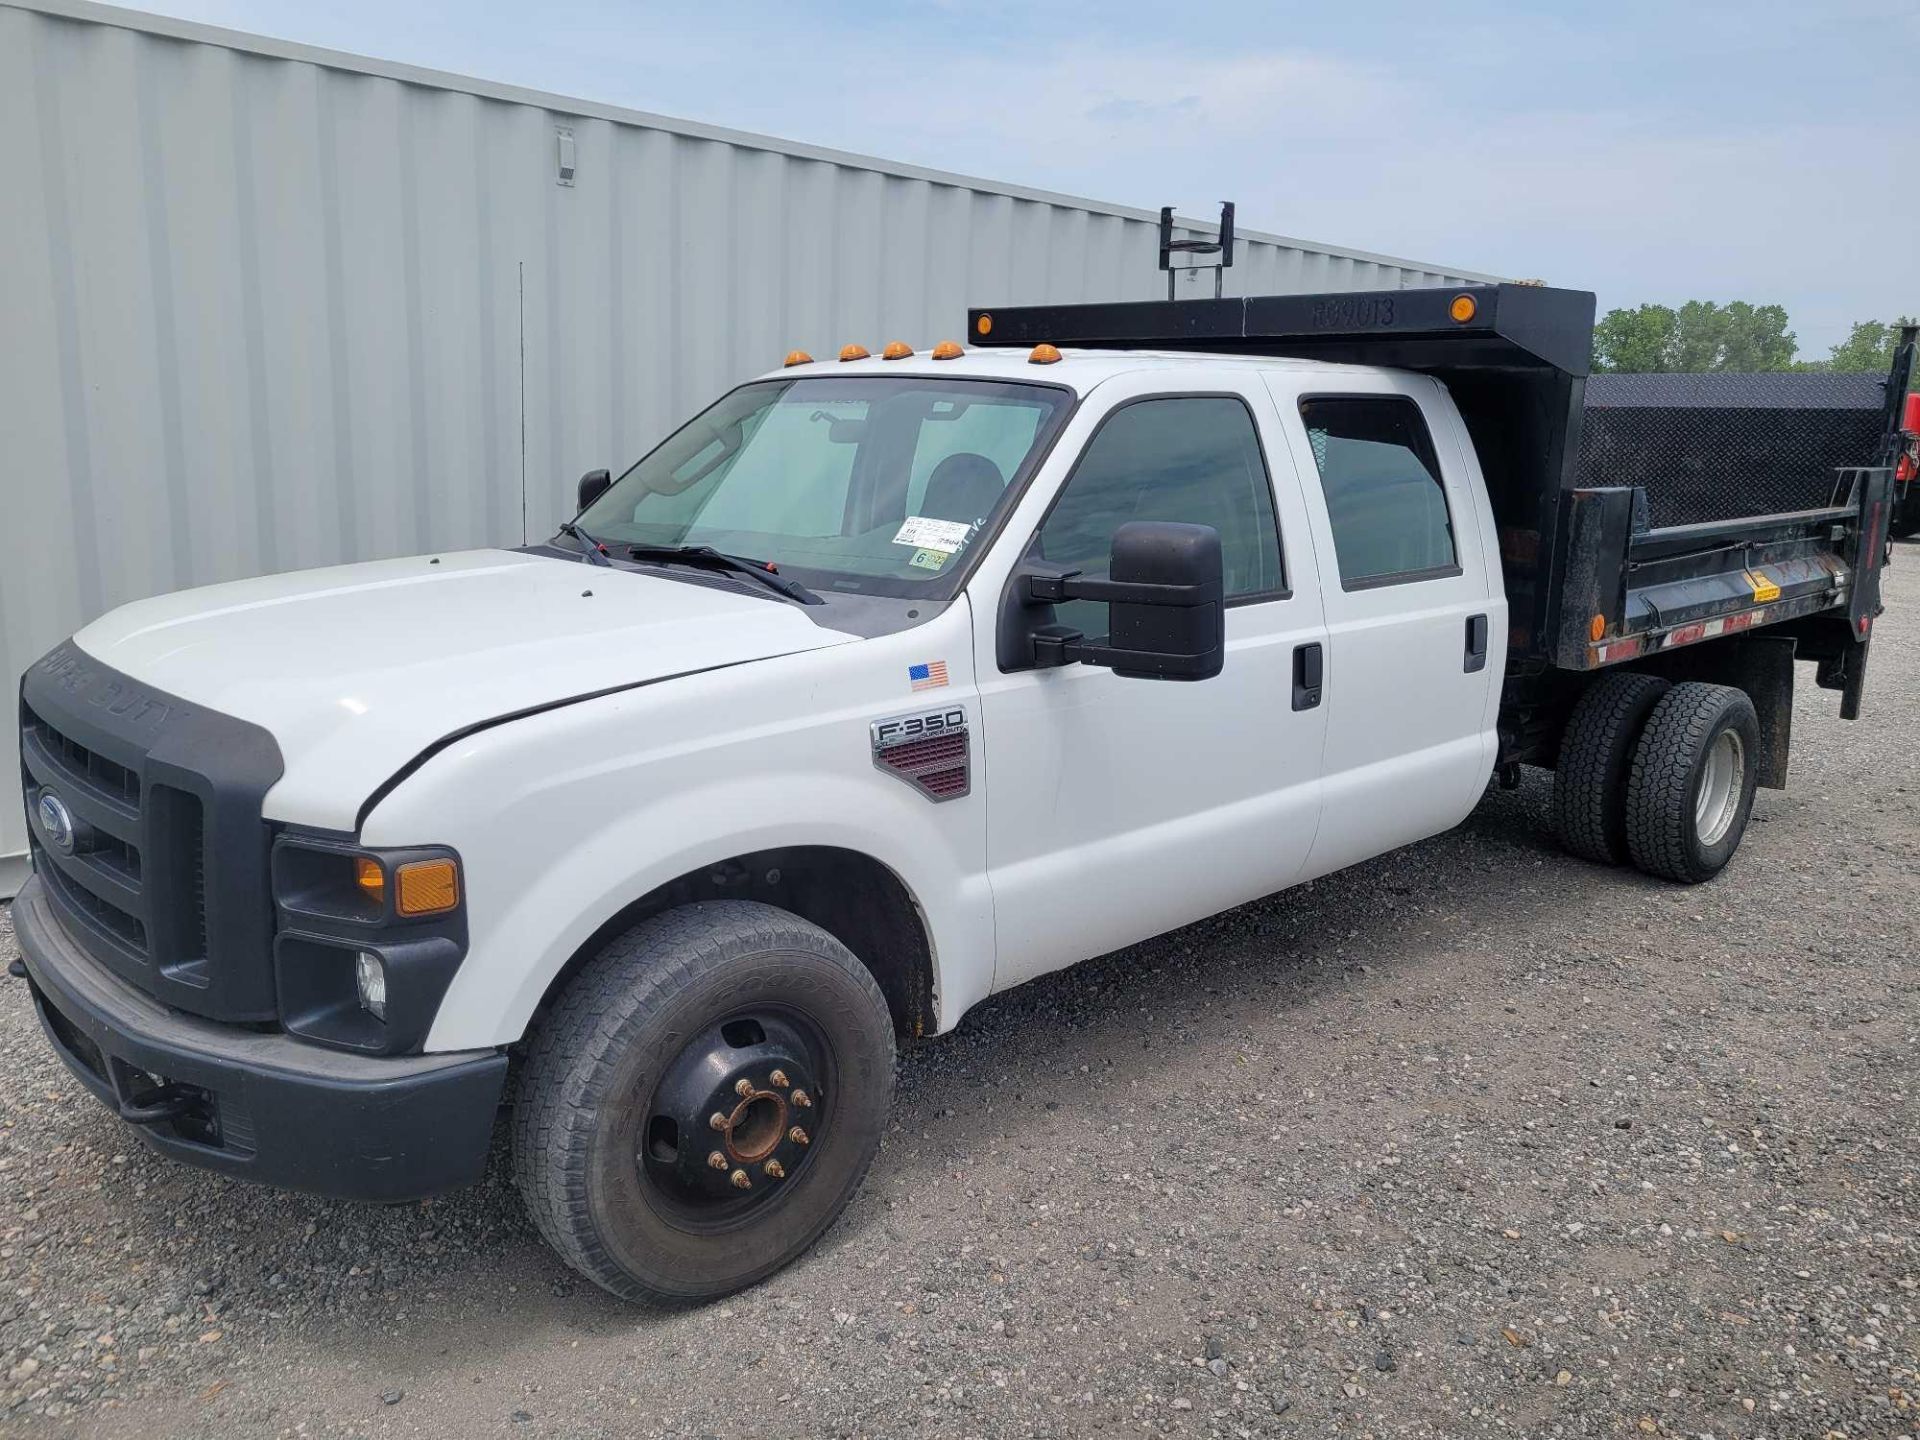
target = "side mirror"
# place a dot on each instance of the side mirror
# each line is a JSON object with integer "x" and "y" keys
{"x": 1166, "y": 614}
{"x": 593, "y": 485}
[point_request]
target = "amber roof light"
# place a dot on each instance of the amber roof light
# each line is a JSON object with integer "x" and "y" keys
{"x": 983, "y": 325}
{"x": 896, "y": 350}
{"x": 797, "y": 357}
{"x": 948, "y": 350}
{"x": 1044, "y": 354}
{"x": 1463, "y": 309}
{"x": 853, "y": 352}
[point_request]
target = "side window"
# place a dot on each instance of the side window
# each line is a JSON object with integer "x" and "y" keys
{"x": 1382, "y": 482}
{"x": 1194, "y": 459}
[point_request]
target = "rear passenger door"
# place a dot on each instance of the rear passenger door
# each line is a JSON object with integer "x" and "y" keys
{"x": 1416, "y": 619}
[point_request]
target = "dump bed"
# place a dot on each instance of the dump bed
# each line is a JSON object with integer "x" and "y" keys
{"x": 1636, "y": 513}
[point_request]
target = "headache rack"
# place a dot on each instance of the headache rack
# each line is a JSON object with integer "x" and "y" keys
{"x": 1611, "y": 550}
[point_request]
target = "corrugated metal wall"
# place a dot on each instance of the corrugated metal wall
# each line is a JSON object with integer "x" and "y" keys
{"x": 264, "y": 306}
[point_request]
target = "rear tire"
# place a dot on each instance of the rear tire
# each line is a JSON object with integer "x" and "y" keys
{"x": 1690, "y": 793}
{"x": 1596, "y": 754}
{"x": 618, "y": 1147}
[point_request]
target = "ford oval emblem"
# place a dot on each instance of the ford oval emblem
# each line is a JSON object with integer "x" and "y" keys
{"x": 57, "y": 821}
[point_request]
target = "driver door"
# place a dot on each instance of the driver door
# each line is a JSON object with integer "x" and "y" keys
{"x": 1122, "y": 808}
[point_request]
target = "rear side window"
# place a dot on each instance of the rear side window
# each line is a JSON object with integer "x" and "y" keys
{"x": 1195, "y": 459}
{"x": 1382, "y": 482}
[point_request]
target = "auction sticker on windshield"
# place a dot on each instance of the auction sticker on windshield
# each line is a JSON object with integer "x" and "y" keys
{"x": 925, "y": 533}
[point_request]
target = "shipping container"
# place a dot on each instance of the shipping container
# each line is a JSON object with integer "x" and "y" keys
{"x": 264, "y": 306}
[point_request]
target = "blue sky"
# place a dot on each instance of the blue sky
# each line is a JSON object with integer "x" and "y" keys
{"x": 1648, "y": 151}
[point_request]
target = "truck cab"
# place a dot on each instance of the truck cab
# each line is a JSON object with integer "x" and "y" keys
{"x": 885, "y": 683}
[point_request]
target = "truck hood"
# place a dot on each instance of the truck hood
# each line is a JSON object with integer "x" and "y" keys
{"x": 355, "y": 670}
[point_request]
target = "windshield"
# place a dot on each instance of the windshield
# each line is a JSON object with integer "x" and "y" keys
{"x": 870, "y": 483}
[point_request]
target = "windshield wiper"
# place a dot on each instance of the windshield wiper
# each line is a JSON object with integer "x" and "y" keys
{"x": 709, "y": 558}
{"x": 595, "y": 554}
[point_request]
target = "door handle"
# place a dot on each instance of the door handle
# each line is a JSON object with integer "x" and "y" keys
{"x": 1308, "y": 661}
{"x": 1476, "y": 643}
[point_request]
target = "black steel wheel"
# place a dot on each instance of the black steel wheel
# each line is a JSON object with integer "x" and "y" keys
{"x": 702, "y": 1101}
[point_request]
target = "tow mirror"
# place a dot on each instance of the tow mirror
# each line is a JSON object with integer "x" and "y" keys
{"x": 1164, "y": 594}
{"x": 593, "y": 485}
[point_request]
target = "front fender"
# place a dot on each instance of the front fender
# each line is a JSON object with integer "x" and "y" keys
{"x": 554, "y": 842}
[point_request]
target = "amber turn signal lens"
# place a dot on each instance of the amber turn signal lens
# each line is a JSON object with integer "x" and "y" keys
{"x": 1044, "y": 354}
{"x": 983, "y": 325}
{"x": 896, "y": 350}
{"x": 371, "y": 879}
{"x": 1463, "y": 309}
{"x": 1596, "y": 627}
{"x": 426, "y": 887}
{"x": 948, "y": 350}
{"x": 797, "y": 357}
{"x": 853, "y": 352}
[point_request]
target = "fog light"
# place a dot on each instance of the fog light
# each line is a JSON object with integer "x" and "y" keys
{"x": 371, "y": 975}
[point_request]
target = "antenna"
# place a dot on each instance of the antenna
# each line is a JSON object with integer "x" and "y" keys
{"x": 1223, "y": 247}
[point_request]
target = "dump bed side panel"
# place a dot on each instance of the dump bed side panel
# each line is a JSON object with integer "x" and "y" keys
{"x": 1719, "y": 447}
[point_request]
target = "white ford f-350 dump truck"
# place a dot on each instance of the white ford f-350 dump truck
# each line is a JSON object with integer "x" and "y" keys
{"x": 885, "y": 683}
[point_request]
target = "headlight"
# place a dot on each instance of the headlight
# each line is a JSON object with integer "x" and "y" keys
{"x": 368, "y": 939}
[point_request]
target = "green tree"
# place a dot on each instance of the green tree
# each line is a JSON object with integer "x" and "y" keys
{"x": 1868, "y": 348}
{"x": 1635, "y": 341}
{"x": 1699, "y": 336}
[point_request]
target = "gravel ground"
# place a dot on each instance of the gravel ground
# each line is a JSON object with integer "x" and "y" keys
{"x": 1472, "y": 1139}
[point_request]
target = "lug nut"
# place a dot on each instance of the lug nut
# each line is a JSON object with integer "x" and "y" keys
{"x": 717, "y": 1160}
{"x": 797, "y": 1135}
{"x": 775, "y": 1170}
{"x": 803, "y": 1100}
{"x": 717, "y": 1120}
{"x": 743, "y": 1087}
{"x": 779, "y": 1078}
{"x": 740, "y": 1180}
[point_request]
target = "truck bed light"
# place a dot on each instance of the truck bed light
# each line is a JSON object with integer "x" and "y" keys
{"x": 427, "y": 887}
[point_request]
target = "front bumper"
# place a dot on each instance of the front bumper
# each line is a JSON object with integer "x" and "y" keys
{"x": 258, "y": 1105}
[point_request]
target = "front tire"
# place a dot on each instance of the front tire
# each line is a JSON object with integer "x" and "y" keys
{"x": 1691, "y": 790}
{"x": 702, "y": 1101}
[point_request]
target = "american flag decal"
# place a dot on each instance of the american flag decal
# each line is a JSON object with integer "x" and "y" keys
{"x": 929, "y": 675}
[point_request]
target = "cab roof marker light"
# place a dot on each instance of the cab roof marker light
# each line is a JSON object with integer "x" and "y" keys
{"x": 896, "y": 350}
{"x": 948, "y": 350}
{"x": 797, "y": 357}
{"x": 853, "y": 352}
{"x": 1044, "y": 354}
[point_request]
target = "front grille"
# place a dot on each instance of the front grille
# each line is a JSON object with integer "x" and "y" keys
{"x": 164, "y": 879}
{"x": 98, "y": 882}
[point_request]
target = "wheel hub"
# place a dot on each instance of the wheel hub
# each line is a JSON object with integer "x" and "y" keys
{"x": 734, "y": 1117}
{"x": 1722, "y": 786}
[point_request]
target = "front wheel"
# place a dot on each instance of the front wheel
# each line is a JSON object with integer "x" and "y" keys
{"x": 1690, "y": 792}
{"x": 702, "y": 1101}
